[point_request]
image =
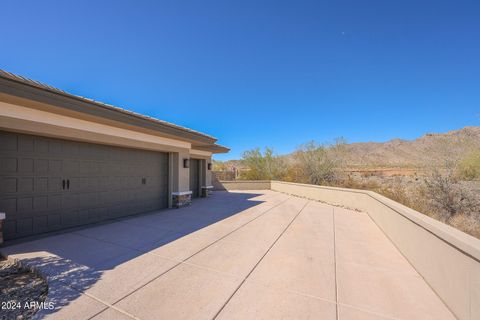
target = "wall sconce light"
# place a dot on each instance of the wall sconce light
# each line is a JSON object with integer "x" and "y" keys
{"x": 186, "y": 163}
{"x": 209, "y": 166}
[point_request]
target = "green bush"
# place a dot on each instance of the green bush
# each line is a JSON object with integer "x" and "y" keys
{"x": 264, "y": 166}
{"x": 320, "y": 164}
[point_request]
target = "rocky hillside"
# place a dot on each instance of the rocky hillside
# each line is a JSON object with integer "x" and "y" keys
{"x": 432, "y": 148}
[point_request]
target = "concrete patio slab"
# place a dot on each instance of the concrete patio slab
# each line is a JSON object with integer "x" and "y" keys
{"x": 267, "y": 227}
{"x": 112, "y": 314}
{"x": 64, "y": 256}
{"x": 236, "y": 255}
{"x": 68, "y": 304}
{"x": 229, "y": 257}
{"x": 139, "y": 237}
{"x": 117, "y": 278}
{"x": 184, "y": 247}
{"x": 392, "y": 293}
{"x": 192, "y": 243}
{"x": 256, "y": 301}
{"x": 367, "y": 244}
{"x": 349, "y": 313}
{"x": 302, "y": 260}
{"x": 186, "y": 292}
{"x": 367, "y": 262}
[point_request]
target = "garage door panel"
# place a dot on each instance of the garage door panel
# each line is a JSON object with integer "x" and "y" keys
{"x": 69, "y": 218}
{"x": 40, "y": 166}
{"x": 25, "y": 143}
{"x": 54, "y": 202}
{"x": 70, "y": 149}
{"x": 25, "y": 225}
{"x": 8, "y": 165}
{"x": 40, "y": 224}
{"x": 9, "y": 227}
{"x": 54, "y": 147}
{"x": 54, "y": 184}
{"x": 24, "y": 205}
{"x": 8, "y": 185}
{"x": 8, "y": 141}
{"x": 8, "y": 204}
{"x": 40, "y": 203}
{"x": 25, "y": 185}
{"x": 41, "y": 145}
{"x": 54, "y": 221}
{"x": 41, "y": 184}
{"x": 105, "y": 182}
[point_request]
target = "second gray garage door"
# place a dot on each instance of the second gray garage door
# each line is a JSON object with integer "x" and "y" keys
{"x": 49, "y": 184}
{"x": 195, "y": 177}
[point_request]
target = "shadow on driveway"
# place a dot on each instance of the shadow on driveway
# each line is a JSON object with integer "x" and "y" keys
{"x": 80, "y": 257}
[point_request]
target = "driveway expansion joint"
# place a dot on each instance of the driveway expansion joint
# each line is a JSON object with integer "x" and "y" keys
{"x": 260, "y": 260}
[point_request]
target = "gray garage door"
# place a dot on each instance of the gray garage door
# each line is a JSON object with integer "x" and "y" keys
{"x": 49, "y": 184}
{"x": 195, "y": 177}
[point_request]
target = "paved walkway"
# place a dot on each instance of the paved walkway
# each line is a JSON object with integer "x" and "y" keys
{"x": 237, "y": 255}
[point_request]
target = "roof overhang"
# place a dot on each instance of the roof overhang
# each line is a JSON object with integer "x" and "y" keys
{"x": 213, "y": 148}
{"x": 28, "y": 89}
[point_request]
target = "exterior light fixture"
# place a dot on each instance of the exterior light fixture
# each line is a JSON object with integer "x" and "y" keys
{"x": 186, "y": 163}
{"x": 209, "y": 166}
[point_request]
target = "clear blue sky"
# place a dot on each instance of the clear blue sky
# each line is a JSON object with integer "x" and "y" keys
{"x": 260, "y": 73}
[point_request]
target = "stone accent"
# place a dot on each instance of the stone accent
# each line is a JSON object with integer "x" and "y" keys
{"x": 207, "y": 191}
{"x": 181, "y": 199}
{"x": 2, "y": 219}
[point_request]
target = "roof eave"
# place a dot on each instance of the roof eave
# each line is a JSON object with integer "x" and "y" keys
{"x": 213, "y": 148}
{"x": 64, "y": 100}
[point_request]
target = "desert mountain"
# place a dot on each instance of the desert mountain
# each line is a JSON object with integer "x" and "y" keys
{"x": 432, "y": 148}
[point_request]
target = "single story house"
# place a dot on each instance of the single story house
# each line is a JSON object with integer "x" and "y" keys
{"x": 67, "y": 160}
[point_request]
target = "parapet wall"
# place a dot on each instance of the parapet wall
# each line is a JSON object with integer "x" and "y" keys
{"x": 241, "y": 185}
{"x": 448, "y": 259}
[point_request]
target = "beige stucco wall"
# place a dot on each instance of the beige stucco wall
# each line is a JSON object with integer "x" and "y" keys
{"x": 29, "y": 120}
{"x": 208, "y": 178}
{"x": 200, "y": 154}
{"x": 181, "y": 175}
{"x": 448, "y": 259}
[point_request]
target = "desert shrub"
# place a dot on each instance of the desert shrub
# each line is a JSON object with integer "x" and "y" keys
{"x": 320, "y": 164}
{"x": 467, "y": 223}
{"x": 447, "y": 197}
{"x": 397, "y": 193}
{"x": 364, "y": 184}
{"x": 368, "y": 174}
{"x": 264, "y": 166}
{"x": 292, "y": 173}
{"x": 469, "y": 167}
{"x": 219, "y": 166}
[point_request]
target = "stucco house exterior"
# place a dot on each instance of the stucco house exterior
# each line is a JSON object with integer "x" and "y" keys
{"x": 67, "y": 160}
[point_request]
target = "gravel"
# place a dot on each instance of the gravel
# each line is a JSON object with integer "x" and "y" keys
{"x": 21, "y": 291}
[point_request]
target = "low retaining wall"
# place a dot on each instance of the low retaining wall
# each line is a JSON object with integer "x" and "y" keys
{"x": 242, "y": 185}
{"x": 448, "y": 259}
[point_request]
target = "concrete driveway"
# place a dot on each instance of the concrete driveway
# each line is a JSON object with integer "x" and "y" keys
{"x": 236, "y": 255}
